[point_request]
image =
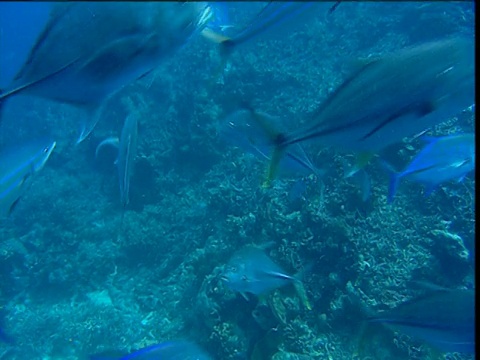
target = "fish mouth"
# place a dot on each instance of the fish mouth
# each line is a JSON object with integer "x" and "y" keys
{"x": 224, "y": 278}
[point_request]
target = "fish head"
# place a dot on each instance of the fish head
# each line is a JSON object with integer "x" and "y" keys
{"x": 236, "y": 277}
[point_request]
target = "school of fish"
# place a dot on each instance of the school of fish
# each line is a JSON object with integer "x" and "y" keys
{"x": 384, "y": 100}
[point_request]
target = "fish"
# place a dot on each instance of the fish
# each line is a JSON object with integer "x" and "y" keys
{"x": 127, "y": 150}
{"x": 117, "y": 44}
{"x": 443, "y": 319}
{"x": 370, "y": 111}
{"x": 240, "y": 129}
{"x": 359, "y": 175}
{"x": 269, "y": 18}
{"x": 220, "y": 21}
{"x": 170, "y": 350}
{"x": 442, "y": 159}
{"x": 250, "y": 270}
{"x": 18, "y": 165}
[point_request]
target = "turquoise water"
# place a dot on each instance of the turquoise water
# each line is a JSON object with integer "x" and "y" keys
{"x": 76, "y": 278}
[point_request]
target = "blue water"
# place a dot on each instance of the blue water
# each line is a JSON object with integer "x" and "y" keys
{"x": 77, "y": 277}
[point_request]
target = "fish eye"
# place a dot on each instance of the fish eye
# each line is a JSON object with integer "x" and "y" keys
{"x": 46, "y": 149}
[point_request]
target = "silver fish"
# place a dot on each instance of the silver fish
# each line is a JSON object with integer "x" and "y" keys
{"x": 89, "y": 50}
{"x": 442, "y": 159}
{"x": 239, "y": 129}
{"x": 444, "y": 319}
{"x": 17, "y": 167}
{"x": 389, "y": 98}
{"x": 127, "y": 150}
{"x": 250, "y": 270}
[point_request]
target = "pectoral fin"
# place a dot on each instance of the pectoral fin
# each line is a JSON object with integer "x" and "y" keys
{"x": 420, "y": 110}
{"x": 19, "y": 89}
{"x": 108, "y": 61}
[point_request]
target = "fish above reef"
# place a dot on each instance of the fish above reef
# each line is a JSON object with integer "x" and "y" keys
{"x": 127, "y": 150}
{"x": 388, "y": 98}
{"x": 89, "y": 50}
{"x": 220, "y": 19}
{"x": 442, "y": 159}
{"x": 269, "y": 18}
{"x": 250, "y": 270}
{"x": 444, "y": 319}
{"x": 17, "y": 166}
{"x": 171, "y": 350}
{"x": 241, "y": 130}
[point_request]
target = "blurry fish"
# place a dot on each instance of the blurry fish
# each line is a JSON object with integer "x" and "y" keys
{"x": 16, "y": 167}
{"x": 442, "y": 159}
{"x": 220, "y": 21}
{"x": 250, "y": 270}
{"x": 240, "y": 129}
{"x": 370, "y": 110}
{"x": 443, "y": 319}
{"x": 272, "y": 15}
{"x": 127, "y": 150}
{"x": 171, "y": 350}
{"x": 359, "y": 176}
{"x": 275, "y": 13}
{"x": 89, "y": 50}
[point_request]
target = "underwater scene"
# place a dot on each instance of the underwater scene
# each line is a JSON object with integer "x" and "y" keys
{"x": 237, "y": 180}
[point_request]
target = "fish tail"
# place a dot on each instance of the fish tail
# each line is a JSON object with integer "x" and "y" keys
{"x": 392, "y": 186}
{"x": 225, "y": 43}
{"x": 300, "y": 288}
{"x": 226, "y": 46}
{"x": 278, "y": 140}
{"x": 394, "y": 179}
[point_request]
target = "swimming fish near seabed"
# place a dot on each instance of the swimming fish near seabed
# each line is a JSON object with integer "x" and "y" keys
{"x": 89, "y": 50}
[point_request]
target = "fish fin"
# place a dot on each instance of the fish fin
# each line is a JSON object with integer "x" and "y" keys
{"x": 392, "y": 186}
{"x": 420, "y": 110}
{"x": 334, "y": 6}
{"x": 112, "y": 141}
{"x": 357, "y": 64}
{"x": 461, "y": 163}
{"x": 244, "y": 295}
{"x": 93, "y": 114}
{"x": 394, "y": 179}
{"x": 461, "y": 178}
{"x": 7, "y": 94}
{"x": 299, "y": 286}
{"x": 213, "y": 36}
{"x": 360, "y": 162}
{"x": 225, "y": 45}
{"x": 12, "y": 207}
{"x": 277, "y": 139}
{"x": 302, "y": 294}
